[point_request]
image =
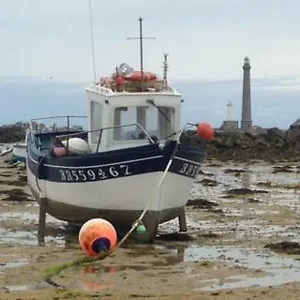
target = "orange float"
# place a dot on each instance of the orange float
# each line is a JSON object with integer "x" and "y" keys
{"x": 97, "y": 235}
{"x": 138, "y": 76}
{"x": 205, "y": 131}
{"x": 120, "y": 80}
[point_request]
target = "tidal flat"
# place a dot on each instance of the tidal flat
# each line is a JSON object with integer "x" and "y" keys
{"x": 241, "y": 243}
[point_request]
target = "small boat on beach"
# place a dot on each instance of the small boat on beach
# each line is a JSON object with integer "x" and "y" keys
{"x": 19, "y": 152}
{"x": 6, "y": 155}
{"x": 14, "y": 153}
{"x": 128, "y": 166}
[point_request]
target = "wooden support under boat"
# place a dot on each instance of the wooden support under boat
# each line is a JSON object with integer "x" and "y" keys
{"x": 182, "y": 220}
{"x": 42, "y": 221}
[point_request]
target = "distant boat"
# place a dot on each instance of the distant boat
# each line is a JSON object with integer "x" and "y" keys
{"x": 7, "y": 155}
{"x": 15, "y": 153}
{"x": 19, "y": 152}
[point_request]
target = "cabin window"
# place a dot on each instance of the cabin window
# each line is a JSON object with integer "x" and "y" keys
{"x": 96, "y": 120}
{"x": 157, "y": 121}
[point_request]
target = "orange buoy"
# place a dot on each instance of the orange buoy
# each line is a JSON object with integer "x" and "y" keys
{"x": 205, "y": 131}
{"x": 97, "y": 235}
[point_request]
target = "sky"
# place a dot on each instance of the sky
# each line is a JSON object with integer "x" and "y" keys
{"x": 207, "y": 41}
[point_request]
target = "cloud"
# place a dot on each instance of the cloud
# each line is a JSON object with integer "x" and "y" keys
{"x": 206, "y": 39}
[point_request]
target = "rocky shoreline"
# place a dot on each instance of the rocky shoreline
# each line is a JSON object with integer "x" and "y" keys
{"x": 267, "y": 144}
{"x": 12, "y": 133}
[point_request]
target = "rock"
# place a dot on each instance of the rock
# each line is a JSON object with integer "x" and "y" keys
{"x": 201, "y": 203}
{"x": 253, "y": 200}
{"x": 12, "y": 133}
{"x": 208, "y": 182}
{"x": 234, "y": 171}
{"x": 217, "y": 165}
{"x": 270, "y": 144}
{"x": 285, "y": 247}
{"x": 208, "y": 235}
{"x": 15, "y": 181}
{"x": 182, "y": 237}
{"x": 15, "y": 195}
{"x": 284, "y": 169}
{"x": 245, "y": 191}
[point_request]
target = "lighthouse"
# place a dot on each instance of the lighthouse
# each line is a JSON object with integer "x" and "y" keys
{"x": 246, "y": 123}
{"x": 229, "y": 124}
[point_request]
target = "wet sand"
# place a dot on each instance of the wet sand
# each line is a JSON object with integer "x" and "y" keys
{"x": 236, "y": 210}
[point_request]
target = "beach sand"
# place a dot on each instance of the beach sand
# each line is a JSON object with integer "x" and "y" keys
{"x": 238, "y": 209}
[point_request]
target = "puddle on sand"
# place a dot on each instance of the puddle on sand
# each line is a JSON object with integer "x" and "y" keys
{"x": 17, "y": 237}
{"x": 59, "y": 232}
{"x": 29, "y": 238}
{"x": 279, "y": 269}
{"x": 16, "y": 288}
{"x": 271, "y": 269}
{"x": 12, "y": 264}
{"x": 59, "y": 236}
{"x": 242, "y": 229}
{"x": 27, "y": 217}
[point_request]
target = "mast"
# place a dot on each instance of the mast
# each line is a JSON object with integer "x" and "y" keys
{"x": 141, "y": 47}
{"x": 92, "y": 42}
{"x": 141, "y": 38}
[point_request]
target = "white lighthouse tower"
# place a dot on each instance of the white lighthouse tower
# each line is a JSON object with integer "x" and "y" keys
{"x": 229, "y": 123}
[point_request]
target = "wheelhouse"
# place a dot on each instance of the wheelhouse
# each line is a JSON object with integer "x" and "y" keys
{"x": 131, "y": 117}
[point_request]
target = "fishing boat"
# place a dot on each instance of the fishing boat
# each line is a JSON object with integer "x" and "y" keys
{"x": 128, "y": 166}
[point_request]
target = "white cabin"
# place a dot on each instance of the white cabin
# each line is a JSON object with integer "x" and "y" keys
{"x": 157, "y": 111}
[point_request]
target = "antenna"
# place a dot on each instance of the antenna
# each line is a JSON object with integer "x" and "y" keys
{"x": 141, "y": 38}
{"x": 165, "y": 77}
{"x": 92, "y": 41}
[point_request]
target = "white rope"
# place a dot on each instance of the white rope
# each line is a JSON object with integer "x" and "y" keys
{"x": 139, "y": 219}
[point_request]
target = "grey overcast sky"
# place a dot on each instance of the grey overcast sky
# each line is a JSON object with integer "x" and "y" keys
{"x": 206, "y": 39}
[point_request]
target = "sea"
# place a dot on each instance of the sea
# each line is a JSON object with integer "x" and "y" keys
{"x": 273, "y": 100}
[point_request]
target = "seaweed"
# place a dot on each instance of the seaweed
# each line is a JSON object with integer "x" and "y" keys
{"x": 56, "y": 270}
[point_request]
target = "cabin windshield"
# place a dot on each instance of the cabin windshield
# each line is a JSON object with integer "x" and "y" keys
{"x": 158, "y": 121}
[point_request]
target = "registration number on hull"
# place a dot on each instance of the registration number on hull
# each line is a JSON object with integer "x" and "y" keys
{"x": 93, "y": 174}
{"x": 189, "y": 169}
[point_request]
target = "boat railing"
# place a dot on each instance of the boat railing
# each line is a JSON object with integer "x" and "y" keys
{"x": 37, "y": 126}
{"x": 110, "y": 91}
{"x": 107, "y": 128}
